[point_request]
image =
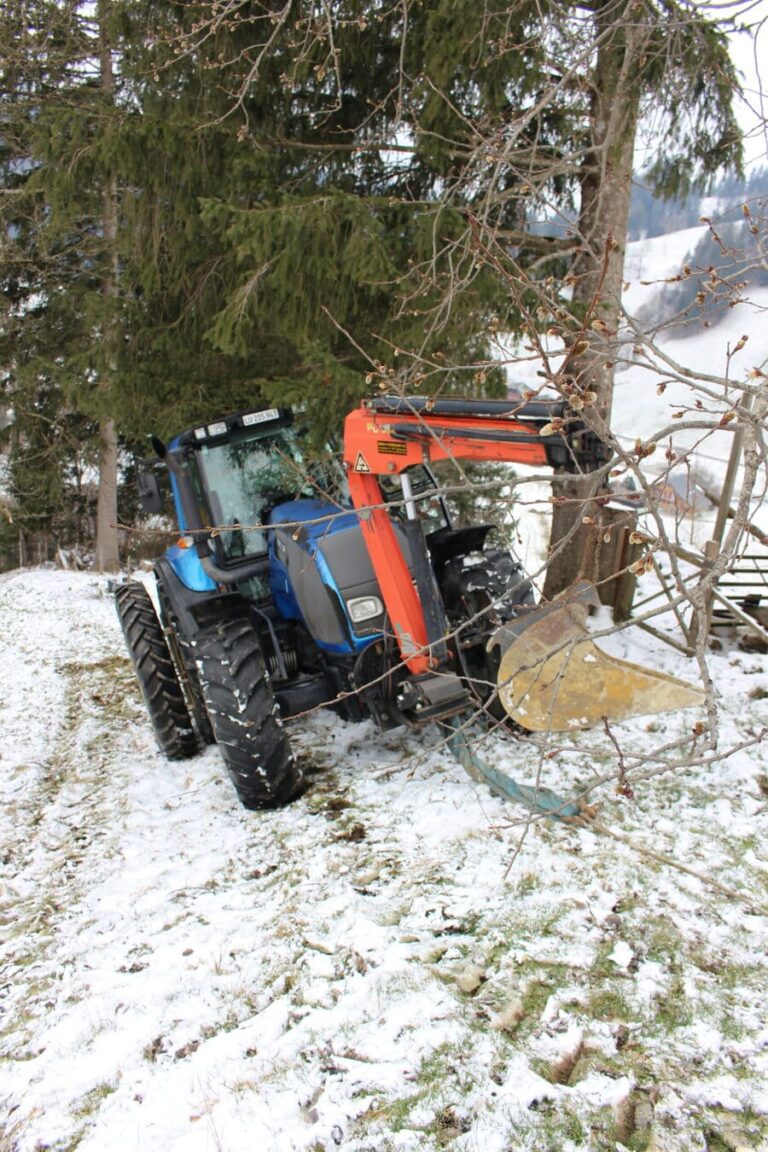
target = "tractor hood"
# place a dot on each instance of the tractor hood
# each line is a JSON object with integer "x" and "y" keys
{"x": 321, "y": 574}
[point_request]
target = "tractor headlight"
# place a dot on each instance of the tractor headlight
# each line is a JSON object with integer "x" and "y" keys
{"x": 364, "y": 608}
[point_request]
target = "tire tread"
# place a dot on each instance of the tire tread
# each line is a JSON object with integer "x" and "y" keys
{"x": 155, "y": 672}
{"x": 244, "y": 715}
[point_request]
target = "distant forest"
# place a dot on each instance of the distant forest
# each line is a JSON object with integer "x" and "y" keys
{"x": 650, "y": 215}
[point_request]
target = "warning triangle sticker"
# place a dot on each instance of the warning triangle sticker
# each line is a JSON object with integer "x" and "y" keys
{"x": 361, "y": 464}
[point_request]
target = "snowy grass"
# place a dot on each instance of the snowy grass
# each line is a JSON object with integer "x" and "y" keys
{"x": 357, "y": 971}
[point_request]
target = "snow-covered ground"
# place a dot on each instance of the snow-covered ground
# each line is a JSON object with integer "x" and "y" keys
{"x": 359, "y": 971}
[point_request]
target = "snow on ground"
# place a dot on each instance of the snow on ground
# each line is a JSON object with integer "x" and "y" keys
{"x": 358, "y": 971}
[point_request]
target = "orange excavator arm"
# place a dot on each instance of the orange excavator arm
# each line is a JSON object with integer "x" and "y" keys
{"x": 387, "y": 435}
{"x": 551, "y": 676}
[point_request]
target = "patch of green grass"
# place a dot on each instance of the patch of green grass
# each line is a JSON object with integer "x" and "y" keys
{"x": 608, "y": 1003}
{"x": 572, "y": 1128}
{"x": 439, "y": 1077}
{"x": 550, "y": 1126}
{"x": 90, "y": 1103}
{"x": 723, "y": 1131}
{"x": 602, "y": 966}
{"x": 527, "y": 883}
{"x": 398, "y": 1111}
{"x": 738, "y": 984}
{"x": 639, "y": 1141}
{"x": 537, "y": 993}
{"x": 664, "y": 943}
{"x": 673, "y": 1010}
{"x": 536, "y": 924}
{"x": 470, "y": 924}
{"x": 536, "y": 981}
{"x": 437, "y": 1066}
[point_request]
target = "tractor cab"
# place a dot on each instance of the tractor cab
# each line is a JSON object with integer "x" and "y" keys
{"x": 243, "y": 467}
{"x": 227, "y": 477}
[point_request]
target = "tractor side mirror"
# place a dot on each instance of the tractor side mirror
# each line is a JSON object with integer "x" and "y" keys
{"x": 150, "y": 496}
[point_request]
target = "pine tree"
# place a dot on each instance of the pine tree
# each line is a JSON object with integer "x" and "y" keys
{"x": 352, "y": 261}
{"x": 311, "y": 201}
{"x": 59, "y": 215}
{"x": 111, "y": 276}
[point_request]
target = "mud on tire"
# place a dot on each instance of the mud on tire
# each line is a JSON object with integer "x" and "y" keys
{"x": 155, "y": 672}
{"x": 244, "y": 715}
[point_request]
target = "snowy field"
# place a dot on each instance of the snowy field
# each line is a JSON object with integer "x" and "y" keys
{"x": 359, "y": 971}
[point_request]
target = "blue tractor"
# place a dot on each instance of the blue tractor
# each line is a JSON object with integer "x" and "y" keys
{"x": 340, "y": 582}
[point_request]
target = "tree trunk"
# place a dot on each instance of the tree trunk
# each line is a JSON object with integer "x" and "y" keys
{"x": 606, "y": 188}
{"x": 107, "y": 557}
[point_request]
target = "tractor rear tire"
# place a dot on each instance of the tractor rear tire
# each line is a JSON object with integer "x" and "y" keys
{"x": 491, "y": 591}
{"x": 181, "y": 651}
{"x": 244, "y": 715}
{"x": 155, "y": 672}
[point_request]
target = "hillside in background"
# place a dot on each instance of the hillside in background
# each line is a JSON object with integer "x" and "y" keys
{"x": 722, "y": 260}
{"x": 652, "y": 216}
{"x": 723, "y": 267}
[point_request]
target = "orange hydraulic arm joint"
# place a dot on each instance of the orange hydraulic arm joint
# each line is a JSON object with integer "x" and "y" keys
{"x": 388, "y": 434}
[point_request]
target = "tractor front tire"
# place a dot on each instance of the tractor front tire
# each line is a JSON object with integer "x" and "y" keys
{"x": 155, "y": 672}
{"x": 244, "y": 715}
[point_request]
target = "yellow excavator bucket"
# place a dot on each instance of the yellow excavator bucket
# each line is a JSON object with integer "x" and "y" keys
{"x": 553, "y": 677}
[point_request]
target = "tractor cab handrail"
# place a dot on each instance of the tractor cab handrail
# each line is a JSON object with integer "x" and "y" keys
{"x": 256, "y": 567}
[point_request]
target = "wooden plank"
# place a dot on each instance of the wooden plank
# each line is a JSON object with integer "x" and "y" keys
{"x": 743, "y": 617}
{"x": 686, "y": 649}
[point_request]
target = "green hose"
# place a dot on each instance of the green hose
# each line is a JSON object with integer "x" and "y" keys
{"x": 540, "y": 800}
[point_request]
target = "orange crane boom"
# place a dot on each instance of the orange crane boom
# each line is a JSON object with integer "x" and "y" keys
{"x": 387, "y": 435}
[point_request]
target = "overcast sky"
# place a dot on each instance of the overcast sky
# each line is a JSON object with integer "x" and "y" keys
{"x": 750, "y": 54}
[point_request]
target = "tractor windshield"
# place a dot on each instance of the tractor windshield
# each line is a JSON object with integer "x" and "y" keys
{"x": 244, "y": 478}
